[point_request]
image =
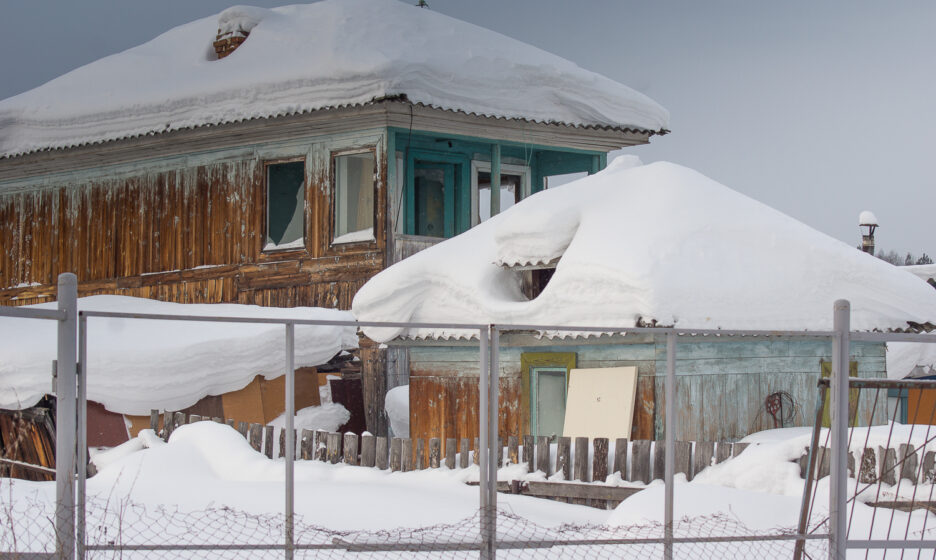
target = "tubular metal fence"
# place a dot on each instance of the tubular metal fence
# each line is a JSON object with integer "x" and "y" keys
{"x": 85, "y": 528}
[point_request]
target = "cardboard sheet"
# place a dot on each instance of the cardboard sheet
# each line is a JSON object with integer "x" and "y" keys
{"x": 600, "y": 402}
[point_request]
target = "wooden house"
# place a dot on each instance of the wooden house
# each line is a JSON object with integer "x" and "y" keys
{"x": 312, "y": 148}
{"x": 637, "y": 246}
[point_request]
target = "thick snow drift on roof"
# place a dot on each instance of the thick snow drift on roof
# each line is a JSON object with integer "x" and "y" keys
{"x": 655, "y": 242}
{"x": 308, "y": 57}
{"x": 135, "y": 365}
{"x": 910, "y": 359}
{"x": 923, "y": 271}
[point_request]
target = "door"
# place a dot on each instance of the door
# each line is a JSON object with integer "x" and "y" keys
{"x": 547, "y": 400}
{"x": 434, "y": 200}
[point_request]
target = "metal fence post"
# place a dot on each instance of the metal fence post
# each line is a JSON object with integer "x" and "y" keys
{"x": 838, "y": 473}
{"x": 290, "y": 440}
{"x": 484, "y": 419}
{"x": 65, "y": 419}
{"x": 493, "y": 429}
{"x": 670, "y": 431}
{"x": 82, "y": 456}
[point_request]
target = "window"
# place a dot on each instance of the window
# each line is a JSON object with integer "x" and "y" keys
{"x": 435, "y": 185}
{"x": 354, "y": 197}
{"x": 285, "y": 205}
{"x": 515, "y": 186}
{"x": 556, "y": 180}
{"x": 544, "y": 386}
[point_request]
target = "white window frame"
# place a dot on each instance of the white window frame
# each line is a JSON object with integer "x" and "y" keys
{"x": 479, "y": 166}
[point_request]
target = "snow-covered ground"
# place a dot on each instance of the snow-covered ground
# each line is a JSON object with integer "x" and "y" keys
{"x": 207, "y": 465}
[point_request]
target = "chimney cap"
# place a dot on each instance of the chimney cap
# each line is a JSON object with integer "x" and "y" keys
{"x": 867, "y": 218}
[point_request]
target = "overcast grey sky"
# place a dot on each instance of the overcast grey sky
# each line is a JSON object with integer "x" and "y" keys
{"x": 819, "y": 109}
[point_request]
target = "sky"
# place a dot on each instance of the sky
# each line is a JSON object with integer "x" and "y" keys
{"x": 819, "y": 109}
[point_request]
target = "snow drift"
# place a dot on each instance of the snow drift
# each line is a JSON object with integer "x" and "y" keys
{"x": 135, "y": 365}
{"x": 308, "y": 57}
{"x": 656, "y": 242}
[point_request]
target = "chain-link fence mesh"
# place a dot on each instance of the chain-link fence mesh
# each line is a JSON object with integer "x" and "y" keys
{"x": 132, "y": 530}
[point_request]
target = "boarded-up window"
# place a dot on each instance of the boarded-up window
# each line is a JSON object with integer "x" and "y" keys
{"x": 354, "y": 197}
{"x": 285, "y": 205}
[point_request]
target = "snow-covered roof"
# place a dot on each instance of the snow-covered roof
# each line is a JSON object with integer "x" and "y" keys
{"x": 910, "y": 359}
{"x": 135, "y": 365}
{"x": 923, "y": 271}
{"x": 656, "y": 242}
{"x": 333, "y": 53}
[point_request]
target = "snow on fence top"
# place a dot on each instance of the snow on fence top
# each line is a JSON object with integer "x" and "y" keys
{"x": 135, "y": 365}
{"x": 307, "y": 57}
{"x": 657, "y": 242}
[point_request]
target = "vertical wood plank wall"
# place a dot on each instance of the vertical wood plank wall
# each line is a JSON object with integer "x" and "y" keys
{"x": 192, "y": 234}
{"x": 721, "y": 386}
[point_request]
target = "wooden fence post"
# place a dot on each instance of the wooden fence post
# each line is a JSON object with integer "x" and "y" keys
{"x": 194, "y": 418}
{"x": 435, "y": 452}
{"x": 154, "y": 421}
{"x": 867, "y": 470}
{"x": 513, "y": 449}
{"x": 908, "y": 469}
{"x": 406, "y": 455}
{"x": 722, "y": 452}
{"x": 419, "y": 462}
{"x": 477, "y": 451}
{"x": 738, "y": 448}
{"x": 242, "y": 428}
{"x": 178, "y": 419}
{"x": 382, "y": 453}
{"x": 333, "y": 448}
{"x": 683, "y": 458}
{"x": 702, "y": 458}
{"x": 620, "y": 457}
{"x": 256, "y": 436}
{"x": 167, "y": 425}
{"x": 307, "y": 445}
{"x": 600, "y": 460}
{"x": 350, "y": 449}
{"x": 368, "y": 450}
{"x": 542, "y": 454}
{"x": 929, "y": 467}
{"x": 640, "y": 462}
{"x": 581, "y": 460}
{"x": 450, "y": 453}
{"x": 528, "y": 452}
{"x": 268, "y": 441}
{"x": 320, "y": 453}
{"x": 396, "y": 454}
{"x": 564, "y": 457}
{"x": 464, "y": 453}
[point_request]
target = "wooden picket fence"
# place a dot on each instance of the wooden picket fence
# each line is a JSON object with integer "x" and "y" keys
{"x": 572, "y": 477}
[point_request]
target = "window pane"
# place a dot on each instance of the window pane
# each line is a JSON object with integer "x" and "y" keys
{"x": 285, "y": 204}
{"x": 511, "y": 189}
{"x": 550, "y": 401}
{"x": 430, "y": 201}
{"x": 354, "y": 198}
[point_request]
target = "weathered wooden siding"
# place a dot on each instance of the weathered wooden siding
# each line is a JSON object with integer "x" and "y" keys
{"x": 721, "y": 386}
{"x": 185, "y": 232}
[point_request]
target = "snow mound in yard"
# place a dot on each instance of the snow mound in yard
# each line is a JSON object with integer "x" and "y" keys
{"x": 302, "y": 58}
{"x": 135, "y": 365}
{"x": 656, "y": 242}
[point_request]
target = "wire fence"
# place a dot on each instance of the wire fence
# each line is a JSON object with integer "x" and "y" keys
{"x": 123, "y": 529}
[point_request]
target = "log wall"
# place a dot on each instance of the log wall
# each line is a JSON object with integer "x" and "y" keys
{"x": 185, "y": 232}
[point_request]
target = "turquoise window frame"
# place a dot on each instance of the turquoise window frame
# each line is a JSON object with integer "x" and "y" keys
{"x": 454, "y": 205}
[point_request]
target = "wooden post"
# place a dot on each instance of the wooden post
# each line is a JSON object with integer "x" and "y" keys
{"x": 600, "y": 460}
{"x": 500, "y": 452}
{"x": 217, "y": 420}
{"x": 396, "y": 454}
{"x": 738, "y": 448}
{"x": 450, "y": 453}
{"x": 419, "y": 458}
{"x": 824, "y": 455}
{"x": 722, "y": 452}
{"x": 350, "y": 449}
{"x": 564, "y": 457}
{"x": 368, "y": 450}
{"x": 929, "y": 467}
{"x": 702, "y": 458}
{"x": 477, "y": 451}
{"x": 178, "y": 420}
{"x": 867, "y": 471}
{"x": 435, "y": 452}
{"x": 406, "y": 455}
{"x": 268, "y": 441}
{"x": 230, "y": 422}
{"x": 542, "y": 455}
{"x": 513, "y": 449}
{"x": 465, "y": 451}
{"x": 659, "y": 459}
{"x": 154, "y": 421}
{"x": 528, "y": 452}
{"x": 908, "y": 469}
{"x": 194, "y": 418}
{"x": 256, "y": 436}
{"x": 684, "y": 458}
{"x": 167, "y": 425}
{"x": 282, "y": 442}
{"x": 580, "y": 472}
{"x": 382, "y": 455}
{"x": 320, "y": 453}
{"x": 640, "y": 463}
{"x": 307, "y": 444}
{"x": 333, "y": 448}
{"x": 620, "y": 457}
{"x": 242, "y": 428}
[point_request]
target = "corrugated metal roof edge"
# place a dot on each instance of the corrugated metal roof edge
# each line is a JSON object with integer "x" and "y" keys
{"x": 396, "y": 98}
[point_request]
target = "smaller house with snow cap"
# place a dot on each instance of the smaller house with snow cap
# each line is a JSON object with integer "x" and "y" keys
{"x": 283, "y": 157}
{"x": 636, "y": 245}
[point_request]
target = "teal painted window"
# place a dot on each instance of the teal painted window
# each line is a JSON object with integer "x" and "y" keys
{"x": 435, "y": 184}
{"x": 354, "y": 197}
{"x": 547, "y": 400}
{"x": 285, "y": 205}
